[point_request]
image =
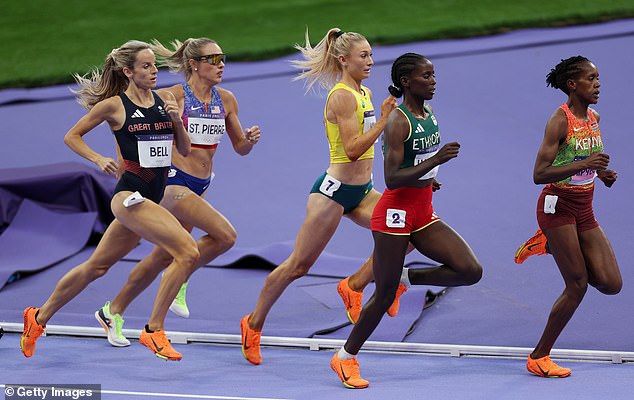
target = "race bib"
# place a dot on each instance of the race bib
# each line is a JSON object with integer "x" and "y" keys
{"x": 134, "y": 198}
{"x": 584, "y": 176}
{"x": 550, "y": 201}
{"x": 155, "y": 150}
{"x": 329, "y": 185}
{"x": 424, "y": 156}
{"x": 395, "y": 218}
{"x": 205, "y": 131}
{"x": 369, "y": 119}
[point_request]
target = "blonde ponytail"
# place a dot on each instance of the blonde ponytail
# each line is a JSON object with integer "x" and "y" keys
{"x": 177, "y": 60}
{"x": 320, "y": 64}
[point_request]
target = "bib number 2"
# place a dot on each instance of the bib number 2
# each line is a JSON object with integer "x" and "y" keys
{"x": 395, "y": 218}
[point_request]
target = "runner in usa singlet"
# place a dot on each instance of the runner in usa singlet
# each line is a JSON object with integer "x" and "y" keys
{"x": 204, "y": 122}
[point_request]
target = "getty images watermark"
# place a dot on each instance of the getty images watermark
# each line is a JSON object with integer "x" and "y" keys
{"x": 52, "y": 392}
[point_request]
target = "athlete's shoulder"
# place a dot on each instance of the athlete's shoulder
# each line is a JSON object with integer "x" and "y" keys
{"x": 559, "y": 114}
{"x": 342, "y": 92}
{"x": 111, "y": 104}
{"x": 169, "y": 93}
{"x": 397, "y": 118}
{"x": 225, "y": 95}
{"x": 229, "y": 101}
{"x": 342, "y": 101}
{"x": 178, "y": 91}
{"x": 557, "y": 125}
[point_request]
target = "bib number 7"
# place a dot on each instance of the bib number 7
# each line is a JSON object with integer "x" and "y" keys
{"x": 329, "y": 185}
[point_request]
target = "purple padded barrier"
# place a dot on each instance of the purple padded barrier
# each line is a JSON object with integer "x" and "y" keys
{"x": 38, "y": 238}
{"x": 391, "y": 329}
{"x": 9, "y": 205}
{"x": 63, "y": 187}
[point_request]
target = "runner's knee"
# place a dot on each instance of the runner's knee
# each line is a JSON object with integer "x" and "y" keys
{"x": 610, "y": 287}
{"x": 227, "y": 238}
{"x": 96, "y": 271}
{"x": 384, "y": 297}
{"x": 470, "y": 273}
{"x": 577, "y": 288}
{"x": 188, "y": 256}
{"x": 605, "y": 281}
{"x": 298, "y": 267}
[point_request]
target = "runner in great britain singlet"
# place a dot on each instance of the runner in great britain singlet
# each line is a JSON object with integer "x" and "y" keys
{"x": 145, "y": 141}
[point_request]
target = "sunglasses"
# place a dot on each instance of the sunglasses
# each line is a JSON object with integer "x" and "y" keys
{"x": 213, "y": 59}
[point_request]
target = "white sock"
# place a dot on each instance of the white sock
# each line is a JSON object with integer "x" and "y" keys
{"x": 405, "y": 277}
{"x": 344, "y": 355}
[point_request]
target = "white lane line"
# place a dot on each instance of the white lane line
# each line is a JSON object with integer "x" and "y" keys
{"x": 178, "y": 395}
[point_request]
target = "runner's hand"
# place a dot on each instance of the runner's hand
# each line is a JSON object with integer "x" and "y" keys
{"x": 252, "y": 134}
{"x": 597, "y": 161}
{"x": 172, "y": 109}
{"x": 447, "y": 152}
{"x": 107, "y": 165}
{"x": 607, "y": 176}
{"x": 388, "y": 105}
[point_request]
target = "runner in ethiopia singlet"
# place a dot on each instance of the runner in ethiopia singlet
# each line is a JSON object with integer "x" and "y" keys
{"x": 423, "y": 141}
{"x": 204, "y": 122}
{"x": 145, "y": 141}
{"x": 408, "y": 209}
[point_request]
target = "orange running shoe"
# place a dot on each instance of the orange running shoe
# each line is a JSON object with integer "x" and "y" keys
{"x": 393, "y": 310}
{"x": 535, "y": 246}
{"x": 353, "y": 300}
{"x": 32, "y": 331}
{"x": 160, "y": 345}
{"x": 348, "y": 372}
{"x": 250, "y": 342}
{"x": 546, "y": 368}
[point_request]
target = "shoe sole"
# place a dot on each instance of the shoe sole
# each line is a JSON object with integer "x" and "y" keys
{"x": 22, "y": 338}
{"x": 549, "y": 376}
{"x": 105, "y": 328}
{"x": 244, "y": 354}
{"x": 178, "y": 312}
{"x": 352, "y": 321}
{"x": 517, "y": 255}
{"x": 22, "y": 346}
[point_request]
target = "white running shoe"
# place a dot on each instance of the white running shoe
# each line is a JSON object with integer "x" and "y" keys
{"x": 112, "y": 324}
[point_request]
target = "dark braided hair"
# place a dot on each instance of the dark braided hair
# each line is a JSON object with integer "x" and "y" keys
{"x": 567, "y": 69}
{"x": 403, "y": 65}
